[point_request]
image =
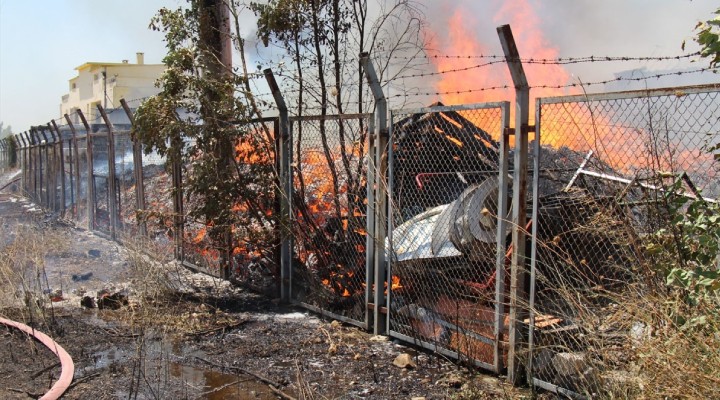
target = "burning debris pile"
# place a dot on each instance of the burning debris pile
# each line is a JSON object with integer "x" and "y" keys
{"x": 444, "y": 246}
{"x": 329, "y": 203}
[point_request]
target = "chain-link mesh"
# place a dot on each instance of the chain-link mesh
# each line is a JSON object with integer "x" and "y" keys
{"x": 101, "y": 181}
{"x": 609, "y": 168}
{"x": 53, "y": 173}
{"x": 252, "y": 237}
{"x": 125, "y": 183}
{"x": 329, "y": 215}
{"x": 256, "y": 237}
{"x": 81, "y": 189}
{"x": 158, "y": 212}
{"x": 68, "y": 166}
{"x": 442, "y": 245}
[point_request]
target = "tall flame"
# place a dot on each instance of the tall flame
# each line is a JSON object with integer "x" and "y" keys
{"x": 458, "y": 38}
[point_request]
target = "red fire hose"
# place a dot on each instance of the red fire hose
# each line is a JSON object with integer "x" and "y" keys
{"x": 66, "y": 362}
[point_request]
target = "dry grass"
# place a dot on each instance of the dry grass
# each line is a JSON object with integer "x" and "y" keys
{"x": 23, "y": 281}
{"x": 627, "y": 341}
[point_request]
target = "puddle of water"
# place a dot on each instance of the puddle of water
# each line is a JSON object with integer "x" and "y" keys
{"x": 213, "y": 385}
{"x": 170, "y": 377}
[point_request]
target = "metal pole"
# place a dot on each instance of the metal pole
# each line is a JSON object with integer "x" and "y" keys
{"x": 112, "y": 193}
{"x": 533, "y": 244}
{"x": 48, "y": 165}
{"x": 285, "y": 175}
{"x": 380, "y": 218}
{"x": 137, "y": 171}
{"x": 37, "y": 179}
{"x": 42, "y": 150}
{"x": 28, "y": 161}
{"x": 518, "y": 274}
{"x": 502, "y": 210}
{"x": 52, "y": 169}
{"x": 76, "y": 161}
{"x": 3, "y": 154}
{"x": 21, "y": 157}
{"x": 71, "y": 159}
{"x": 91, "y": 176}
{"x": 61, "y": 162}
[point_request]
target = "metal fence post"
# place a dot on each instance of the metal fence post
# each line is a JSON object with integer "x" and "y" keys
{"x": 3, "y": 154}
{"x": 42, "y": 166}
{"x": 137, "y": 171}
{"x": 285, "y": 155}
{"x": 76, "y": 161}
{"x": 28, "y": 160}
{"x": 48, "y": 166}
{"x": 533, "y": 244}
{"x": 22, "y": 148}
{"x": 380, "y": 320}
{"x": 518, "y": 275}
{"x": 52, "y": 168}
{"x": 37, "y": 166}
{"x": 62, "y": 169}
{"x": 91, "y": 177}
{"x": 61, "y": 166}
{"x": 502, "y": 210}
{"x": 112, "y": 193}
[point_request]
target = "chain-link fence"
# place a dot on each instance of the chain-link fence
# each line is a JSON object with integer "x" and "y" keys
{"x": 81, "y": 175}
{"x": 329, "y": 179}
{"x": 252, "y": 252}
{"x": 101, "y": 180}
{"x": 125, "y": 181}
{"x": 445, "y": 247}
{"x": 608, "y": 170}
{"x": 158, "y": 213}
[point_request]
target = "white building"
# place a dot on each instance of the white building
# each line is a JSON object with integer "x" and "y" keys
{"x": 106, "y": 83}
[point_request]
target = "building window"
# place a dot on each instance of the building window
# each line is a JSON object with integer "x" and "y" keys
{"x": 74, "y": 85}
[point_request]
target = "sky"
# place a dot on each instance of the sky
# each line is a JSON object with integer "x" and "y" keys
{"x": 42, "y": 42}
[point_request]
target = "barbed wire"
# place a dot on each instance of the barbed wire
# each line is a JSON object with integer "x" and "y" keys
{"x": 559, "y": 60}
{"x": 621, "y": 79}
{"x": 288, "y": 91}
{"x": 566, "y": 86}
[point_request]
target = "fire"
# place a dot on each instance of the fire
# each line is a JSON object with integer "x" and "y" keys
{"x": 580, "y": 129}
{"x": 395, "y": 283}
{"x": 462, "y": 40}
{"x": 199, "y": 236}
{"x": 335, "y": 282}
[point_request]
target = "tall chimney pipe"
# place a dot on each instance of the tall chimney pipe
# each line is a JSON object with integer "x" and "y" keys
{"x": 141, "y": 58}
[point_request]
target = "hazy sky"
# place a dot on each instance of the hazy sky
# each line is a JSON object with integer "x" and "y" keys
{"x": 41, "y": 42}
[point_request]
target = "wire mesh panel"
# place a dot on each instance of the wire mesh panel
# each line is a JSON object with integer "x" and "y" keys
{"x": 249, "y": 237}
{"x": 158, "y": 213}
{"x": 68, "y": 166}
{"x": 101, "y": 182}
{"x": 609, "y": 168}
{"x": 81, "y": 170}
{"x": 329, "y": 171}
{"x": 125, "y": 182}
{"x": 442, "y": 247}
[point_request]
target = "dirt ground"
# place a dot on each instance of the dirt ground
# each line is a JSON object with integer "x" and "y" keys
{"x": 184, "y": 335}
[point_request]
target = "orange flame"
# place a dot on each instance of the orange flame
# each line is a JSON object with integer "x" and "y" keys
{"x": 462, "y": 40}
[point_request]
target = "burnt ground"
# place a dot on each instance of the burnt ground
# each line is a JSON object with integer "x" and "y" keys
{"x": 187, "y": 336}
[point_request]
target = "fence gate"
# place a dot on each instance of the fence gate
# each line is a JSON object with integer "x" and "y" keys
{"x": 329, "y": 180}
{"x": 446, "y": 245}
{"x": 605, "y": 164}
